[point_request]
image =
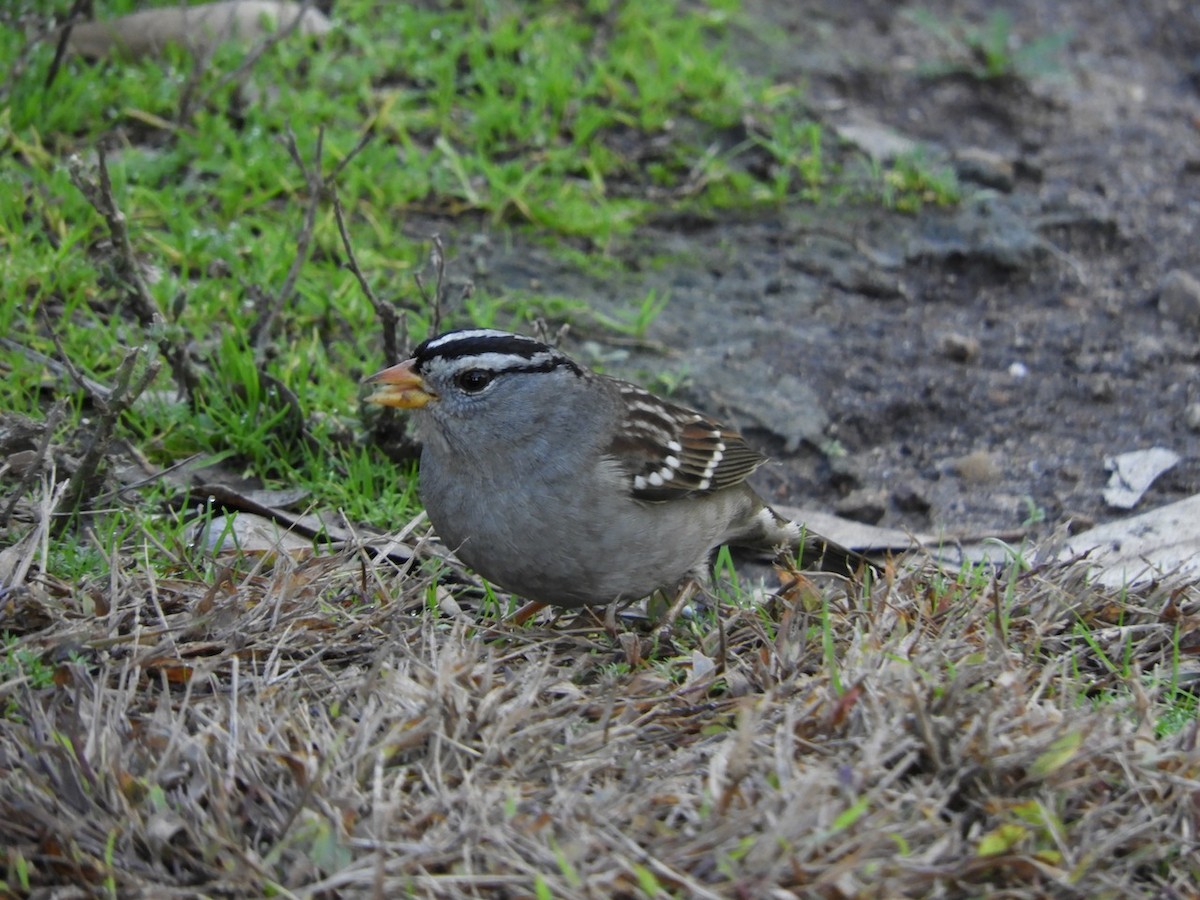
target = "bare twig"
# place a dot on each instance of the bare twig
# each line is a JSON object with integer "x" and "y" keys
{"x": 111, "y": 408}
{"x": 188, "y": 462}
{"x": 81, "y": 10}
{"x": 389, "y": 317}
{"x": 437, "y": 256}
{"x": 437, "y": 301}
{"x": 53, "y": 418}
{"x": 13, "y": 16}
{"x": 261, "y": 332}
{"x": 202, "y": 54}
{"x": 99, "y": 193}
{"x": 541, "y": 331}
{"x": 17, "y": 559}
{"x": 189, "y": 103}
{"x": 352, "y": 263}
{"x": 363, "y": 140}
{"x": 92, "y": 386}
{"x": 318, "y": 185}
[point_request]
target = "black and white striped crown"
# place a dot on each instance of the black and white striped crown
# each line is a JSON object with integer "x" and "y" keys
{"x": 488, "y": 348}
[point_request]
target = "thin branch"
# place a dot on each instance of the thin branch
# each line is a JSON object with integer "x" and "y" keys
{"x": 363, "y": 140}
{"x": 388, "y": 315}
{"x": 110, "y": 408}
{"x": 187, "y": 106}
{"x": 92, "y": 386}
{"x": 318, "y": 186}
{"x": 81, "y": 10}
{"x": 202, "y": 53}
{"x": 541, "y": 331}
{"x": 53, "y": 418}
{"x": 99, "y": 193}
{"x": 437, "y": 256}
{"x": 263, "y": 328}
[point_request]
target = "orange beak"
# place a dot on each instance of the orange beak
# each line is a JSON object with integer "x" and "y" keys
{"x": 400, "y": 386}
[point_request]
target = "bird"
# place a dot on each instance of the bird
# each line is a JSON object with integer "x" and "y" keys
{"x": 571, "y": 488}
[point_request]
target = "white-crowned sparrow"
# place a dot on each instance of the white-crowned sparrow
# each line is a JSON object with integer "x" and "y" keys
{"x": 571, "y": 488}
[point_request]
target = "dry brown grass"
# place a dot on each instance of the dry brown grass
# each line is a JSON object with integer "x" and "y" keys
{"x": 311, "y": 728}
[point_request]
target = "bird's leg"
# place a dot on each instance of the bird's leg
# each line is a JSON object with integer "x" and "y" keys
{"x": 526, "y": 612}
{"x": 610, "y": 618}
{"x": 687, "y": 591}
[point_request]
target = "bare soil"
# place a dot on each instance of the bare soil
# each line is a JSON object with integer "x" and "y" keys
{"x": 975, "y": 366}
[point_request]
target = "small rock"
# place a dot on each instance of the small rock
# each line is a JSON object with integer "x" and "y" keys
{"x": 960, "y": 347}
{"x": 1191, "y": 416}
{"x": 845, "y": 472}
{"x": 1018, "y": 370}
{"x": 993, "y": 229}
{"x": 1101, "y": 388}
{"x": 985, "y": 168}
{"x": 1078, "y": 523}
{"x": 977, "y": 467}
{"x": 909, "y": 499}
{"x": 1179, "y": 298}
{"x": 1148, "y": 350}
{"x": 1025, "y": 167}
{"x": 864, "y": 505}
{"x": 218, "y": 268}
{"x": 879, "y": 142}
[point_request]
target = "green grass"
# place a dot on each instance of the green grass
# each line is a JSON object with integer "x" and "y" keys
{"x": 21, "y": 663}
{"x": 518, "y": 113}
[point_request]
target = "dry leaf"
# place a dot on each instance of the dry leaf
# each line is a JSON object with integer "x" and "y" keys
{"x": 1165, "y": 541}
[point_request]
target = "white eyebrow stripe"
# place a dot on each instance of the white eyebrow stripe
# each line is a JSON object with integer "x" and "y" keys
{"x": 454, "y": 336}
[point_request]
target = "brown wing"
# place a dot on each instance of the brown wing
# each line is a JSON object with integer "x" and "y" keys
{"x": 669, "y": 451}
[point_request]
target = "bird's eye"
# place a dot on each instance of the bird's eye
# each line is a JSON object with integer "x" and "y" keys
{"x": 474, "y": 380}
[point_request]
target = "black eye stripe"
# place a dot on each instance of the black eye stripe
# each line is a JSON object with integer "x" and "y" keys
{"x": 549, "y": 365}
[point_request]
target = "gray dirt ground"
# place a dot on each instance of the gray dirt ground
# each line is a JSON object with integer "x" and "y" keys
{"x": 1082, "y": 192}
